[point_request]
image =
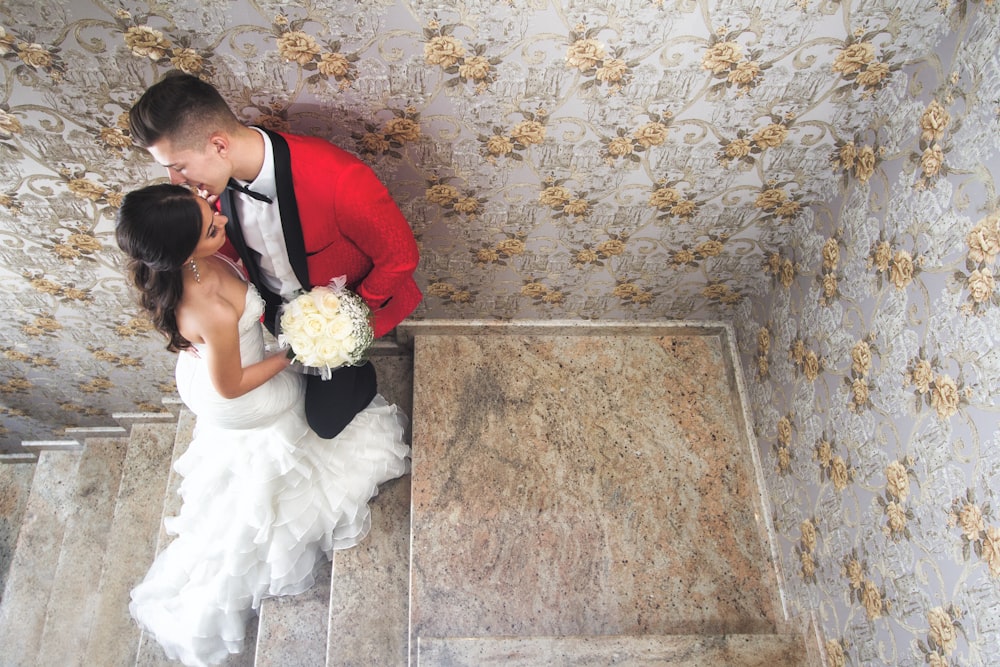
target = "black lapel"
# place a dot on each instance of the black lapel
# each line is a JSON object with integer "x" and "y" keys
{"x": 235, "y": 234}
{"x": 291, "y": 225}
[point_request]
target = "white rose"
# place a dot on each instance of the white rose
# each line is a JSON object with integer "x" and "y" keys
{"x": 305, "y": 351}
{"x": 289, "y": 310}
{"x": 337, "y": 329}
{"x": 331, "y": 353}
{"x": 327, "y": 303}
{"x": 313, "y": 325}
{"x": 291, "y": 317}
{"x": 308, "y": 305}
{"x": 292, "y": 330}
{"x": 290, "y": 322}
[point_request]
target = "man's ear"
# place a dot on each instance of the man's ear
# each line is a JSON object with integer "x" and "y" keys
{"x": 220, "y": 143}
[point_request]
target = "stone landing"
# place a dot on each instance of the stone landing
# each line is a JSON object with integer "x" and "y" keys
{"x": 583, "y": 485}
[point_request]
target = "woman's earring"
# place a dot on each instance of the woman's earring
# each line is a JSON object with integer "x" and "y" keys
{"x": 194, "y": 270}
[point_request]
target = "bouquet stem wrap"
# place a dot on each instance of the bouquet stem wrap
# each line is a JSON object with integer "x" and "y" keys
{"x": 326, "y": 328}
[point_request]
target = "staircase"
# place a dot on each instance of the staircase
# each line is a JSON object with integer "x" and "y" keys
{"x": 582, "y": 499}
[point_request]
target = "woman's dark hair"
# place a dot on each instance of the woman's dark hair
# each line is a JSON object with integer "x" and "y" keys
{"x": 158, "y": 228}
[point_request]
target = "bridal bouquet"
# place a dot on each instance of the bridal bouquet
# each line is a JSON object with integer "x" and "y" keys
{"x": 326, "y": 328}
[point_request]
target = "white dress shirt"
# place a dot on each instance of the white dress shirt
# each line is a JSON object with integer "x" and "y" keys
{"x": 261, "y": 225}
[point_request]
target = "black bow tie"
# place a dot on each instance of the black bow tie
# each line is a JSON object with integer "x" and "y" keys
{"x": 233, "y": 185}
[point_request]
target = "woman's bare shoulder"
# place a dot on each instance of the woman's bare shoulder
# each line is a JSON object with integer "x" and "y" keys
{"x": 209, "y": 305}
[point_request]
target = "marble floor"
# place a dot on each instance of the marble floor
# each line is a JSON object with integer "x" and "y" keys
{"x": 583, "y": 485}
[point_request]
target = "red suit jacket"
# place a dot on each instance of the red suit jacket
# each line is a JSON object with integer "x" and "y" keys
{"x": 338, "y": 219}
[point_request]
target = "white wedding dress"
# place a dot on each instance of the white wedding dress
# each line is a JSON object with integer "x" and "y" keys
{"x": 264, "y": 501}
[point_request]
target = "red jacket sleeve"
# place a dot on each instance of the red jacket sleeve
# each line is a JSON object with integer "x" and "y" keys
{"x": 370, "y": 219}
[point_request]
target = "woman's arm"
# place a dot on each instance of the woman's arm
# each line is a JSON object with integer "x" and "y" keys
{"x": 225, "y": 367}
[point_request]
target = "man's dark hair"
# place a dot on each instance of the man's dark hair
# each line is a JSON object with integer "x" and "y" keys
{"x": 180, "y": 108}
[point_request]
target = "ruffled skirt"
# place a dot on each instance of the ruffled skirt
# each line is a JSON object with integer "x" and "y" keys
{"x": 261, "y": 507}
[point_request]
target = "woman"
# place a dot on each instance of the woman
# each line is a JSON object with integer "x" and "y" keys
{"x": 264, "y": 496}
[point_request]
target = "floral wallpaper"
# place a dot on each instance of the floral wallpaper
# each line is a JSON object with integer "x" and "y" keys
{"x": 874, "y": 371}
{"x": 821, "y": 173}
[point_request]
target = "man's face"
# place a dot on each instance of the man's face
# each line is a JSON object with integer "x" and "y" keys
{"x": 207, "y": 170}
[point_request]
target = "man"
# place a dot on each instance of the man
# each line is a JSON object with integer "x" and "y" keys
{"x": 301, "y": 212}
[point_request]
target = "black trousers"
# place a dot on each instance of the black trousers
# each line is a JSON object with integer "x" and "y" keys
{"x": 332, "y": 404}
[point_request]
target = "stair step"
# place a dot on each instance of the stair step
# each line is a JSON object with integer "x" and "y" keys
{"x": 292, "y": 630}
{"x": 369, "y": 602}
{"x": 84, "y": 432}
{"x": 583, "y": 485}
{"x": 36, "y": 556}
{"x": 131, "y": 542}
{"x": 18, "y": 457}
{"x": 395, "y": 380}
{"x": 74, "y": 596}
{"x": 128, "y": 419}
{"x": 674, "y": 650}
{"x": 174, "y": 404}
{"x": 15, "y": 487}
{"x": 51, "y": 445}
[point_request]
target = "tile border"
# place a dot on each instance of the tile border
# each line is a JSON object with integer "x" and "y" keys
{"x": 406, "y": 331}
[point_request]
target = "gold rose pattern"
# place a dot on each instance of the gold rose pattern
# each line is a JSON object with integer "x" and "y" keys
{"x": 541, "y": 293}
{"x": 597, "y": 255}
{"x": 325, "y": 59}
{"x": 863, "y": 589}
{"x": 807, "y": 362}
{"x": 782, "y": 446}
{"x": 822, "y": 175}
{"x": 563, "y": 202}
{"x": 944, "y": 628}
{"x": 172, "y": 51}
{"x": 979, "y": 530}
{"x": 777, "y": 203}
{"x": 978, "y": 279}
{"x": 898, "y": 515}
{"x": 24, "y": 56}
{"x": 855, "y": 158}
{"x": 389, "y": 133}
{"x": 833, "y": 467}
{"x": 601, "y": 66}
{"x": 859, "y": 380}
{"x": 501, "y": 251}
{"x": 782, "y": 269}
{"x": 862, "y": 63}
{"x": 806, "y": 550}
{"x": 466, "y": 65}
{"x": 763, "y": 364}
{"x": 511, "y": 144}
{"x": 628, "y": 144}
{"x": 735, "y": 65}
{"x": 935, "y": 388}
{"x": 446, "y": 289}
{"x": 748, "y": 145}
{"x": 671, "y": 204}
